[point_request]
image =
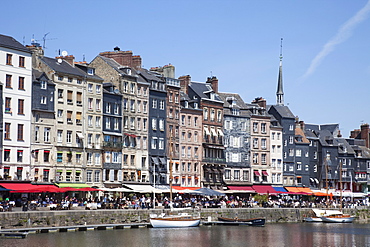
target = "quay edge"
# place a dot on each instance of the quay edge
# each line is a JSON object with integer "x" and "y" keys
{"x": 34, "y": 219}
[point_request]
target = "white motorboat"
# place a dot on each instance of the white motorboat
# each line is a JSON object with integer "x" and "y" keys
{"x": 338, "y": 218}
{"x": 172, "y": 221}
{"x": 316, "y": 214}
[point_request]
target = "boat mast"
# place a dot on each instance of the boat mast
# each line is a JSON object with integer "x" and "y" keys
{"x": 326, "y": 179}
{"x": 171, "y": 149}
{"x": 340, "y": 183}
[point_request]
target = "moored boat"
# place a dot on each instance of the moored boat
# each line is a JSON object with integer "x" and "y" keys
{"x": 338, "y": 218}
{"x": 174, "y": 221}
{"x": 316, "y": 214}
{"x": 251, "y": 222}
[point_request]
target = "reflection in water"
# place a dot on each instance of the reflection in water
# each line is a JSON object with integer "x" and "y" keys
{"x": 284, "y": 234}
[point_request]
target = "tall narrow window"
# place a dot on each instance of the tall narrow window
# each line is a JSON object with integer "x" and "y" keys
{"x": 9, "y": 59}
{"x": 8, "y": 81}
{"x": 7, "y": 131}
{"x": 69, "y": 97}
{"x": 69, "y": 116}
{"x": 46, "y": 134}
{"x": 21, "y": 83}
{"x": 79, "y": 98}
{"x": 69, "y": 137}
{"x": 78, "y": 117}
{"x": 8, "y": 105}
{"x": 21, "y": 61}
{"x": 20, "y": 132}
{"x": 19, "y": 155}
{"x": 37, "y": 132}
{"x": 20, "y": 106}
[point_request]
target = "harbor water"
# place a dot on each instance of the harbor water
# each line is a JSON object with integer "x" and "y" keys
{"x": 276, "y": 234}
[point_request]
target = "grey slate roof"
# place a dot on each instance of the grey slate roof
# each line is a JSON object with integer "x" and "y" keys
{"x": 84, "y": 68}
{"x": 149, "y": 76}
{"x": 283, "y": 110}
{"x": 11, "y": 43}
{"x": 344, "y": 146}
{"x": 226, "y": 97}
{"x": 63, "y": 67}
{"x": 202, "y": 88}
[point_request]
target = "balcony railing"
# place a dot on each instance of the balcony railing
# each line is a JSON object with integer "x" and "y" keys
{"x": 215, "y": 160}
{"x": 113, "y": 144}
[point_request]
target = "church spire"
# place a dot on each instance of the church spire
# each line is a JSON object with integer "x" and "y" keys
{"x": 280, "y": 92}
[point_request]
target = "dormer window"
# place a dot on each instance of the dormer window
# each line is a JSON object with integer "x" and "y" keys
{"x": 90, "y": 71}
{"x": 43, "y": 84}
{"x": 128, "y": 71}
{"x": 186, "y": 104}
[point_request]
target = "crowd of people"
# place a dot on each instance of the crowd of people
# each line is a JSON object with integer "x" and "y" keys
{"x": 145, "y": 201}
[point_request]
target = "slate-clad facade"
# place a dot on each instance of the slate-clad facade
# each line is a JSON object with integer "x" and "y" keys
{"x": 40, "y": 149}
{"x": 157, "y": 135}
{"x": 236, "y": 130}
{"x": 112, "y": 135}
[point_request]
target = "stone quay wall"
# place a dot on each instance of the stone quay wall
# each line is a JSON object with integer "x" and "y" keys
{"x": 30, "y": 219}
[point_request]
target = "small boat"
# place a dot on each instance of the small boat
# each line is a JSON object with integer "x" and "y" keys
{"x": 316, "y": 214}
{"x": 13, "y": 234}
{"x": 338, "y": 218}
{"x": 180, "y": 220}
{"x": 251, "y": 222}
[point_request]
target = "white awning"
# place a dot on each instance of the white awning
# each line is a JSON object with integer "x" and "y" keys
{"x": 80, "y": 135}
{"x": 207, "y": 131}
{"x": 142, "y": 188}
{"x": 116, "y": 189}
{"x": 220, "y": 133}
{"x": 213, "y": 131}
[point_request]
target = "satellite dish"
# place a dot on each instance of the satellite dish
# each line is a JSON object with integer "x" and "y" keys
{"x": 64, "y": 53}
{"x": 60, "y": 60}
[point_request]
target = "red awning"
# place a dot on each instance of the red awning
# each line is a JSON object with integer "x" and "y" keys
{"x": 264, "y": 189}
{"x": 257, "y": 173}
{"x": 265, "y": 173}
{"x": 248, "y": 189}
{"x": 30, "y": 188}
{"x": 40, "y": 189}
{"x": 18, "y": 186}
{"x": 132, "y": 135}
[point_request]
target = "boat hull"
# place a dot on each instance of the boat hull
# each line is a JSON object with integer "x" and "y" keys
{"x": 251, "y": 222}
{"x": 312, "y": 219}
{"x": 340, "y": 219}
{"x": 174, "y": 223}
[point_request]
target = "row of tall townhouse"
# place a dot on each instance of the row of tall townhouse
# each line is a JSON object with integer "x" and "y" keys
{"x": 110, "y": 123}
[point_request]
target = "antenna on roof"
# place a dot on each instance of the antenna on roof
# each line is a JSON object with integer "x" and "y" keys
{"x": 211, "y": 73}
{"x": 83, "y": 57}
{"x": 44, "y": 40}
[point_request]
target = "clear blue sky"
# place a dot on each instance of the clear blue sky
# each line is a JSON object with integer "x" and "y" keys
{"x": 326, "y": 47}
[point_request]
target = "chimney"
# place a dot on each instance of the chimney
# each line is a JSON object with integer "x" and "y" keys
{"x": 365, "y": 134}
{"x": 302, "y": 124}
{"x": 124, "y": 58}
{"x": 214, "y": 83}
{"x": 355, "y": 133}
{"x": 37, "y": 51}
{"x": 260, "y": 101}
{"x": 339, "y": 134}
{"x": 185, "y": 81}
{"x": 136, "y": 62}
{"x": 69, "y": 59}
